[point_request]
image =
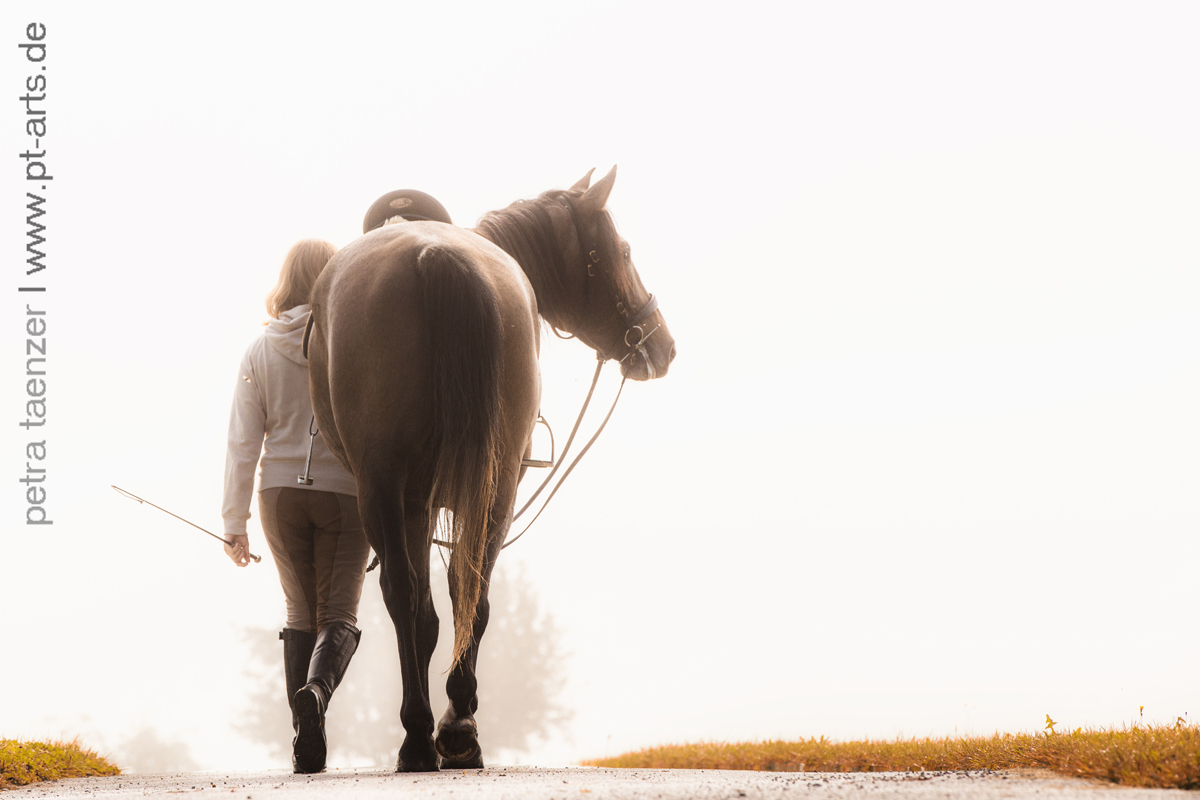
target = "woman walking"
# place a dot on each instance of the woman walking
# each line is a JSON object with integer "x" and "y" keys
{"x": 307, "y": 506}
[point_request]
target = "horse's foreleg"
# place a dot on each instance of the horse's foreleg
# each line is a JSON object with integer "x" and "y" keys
{"x": 457, "y": 734}
{"x": 404, "y": 580}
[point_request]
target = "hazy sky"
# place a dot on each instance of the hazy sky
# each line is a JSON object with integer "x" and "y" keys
{"x": 926, "y": 462}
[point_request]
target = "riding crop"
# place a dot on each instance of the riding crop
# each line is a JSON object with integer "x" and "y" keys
{"x": 223, "y": 540}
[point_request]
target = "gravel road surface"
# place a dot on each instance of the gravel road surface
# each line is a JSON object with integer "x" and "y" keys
{"x": 577, "y": 783}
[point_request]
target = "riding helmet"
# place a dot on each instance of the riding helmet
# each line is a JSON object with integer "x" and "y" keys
{"x": 407, "y": 203}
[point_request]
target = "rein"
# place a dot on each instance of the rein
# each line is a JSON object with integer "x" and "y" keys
{"x": 571, "y": 438}
{"x": 600, "y": 359}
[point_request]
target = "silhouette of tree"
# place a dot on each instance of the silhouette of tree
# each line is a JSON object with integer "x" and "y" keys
{"x": 146, "y": 752}
{"x": 521, "y": 676}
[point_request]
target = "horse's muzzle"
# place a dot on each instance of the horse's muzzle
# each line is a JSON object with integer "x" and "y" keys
{"x": 650, "y": 358}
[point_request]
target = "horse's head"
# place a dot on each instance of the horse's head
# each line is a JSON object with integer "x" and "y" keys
{"x": 614, "y": 314}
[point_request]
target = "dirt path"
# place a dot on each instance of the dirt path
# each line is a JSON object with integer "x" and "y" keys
{"x": 575, "y": 783}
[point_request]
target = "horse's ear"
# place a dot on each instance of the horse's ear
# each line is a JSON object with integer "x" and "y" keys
{"x": 594, "y": 198}
{"x": 582, "y": 183}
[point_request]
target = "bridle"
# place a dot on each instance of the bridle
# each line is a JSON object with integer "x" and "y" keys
{"x": 633, "y": 325}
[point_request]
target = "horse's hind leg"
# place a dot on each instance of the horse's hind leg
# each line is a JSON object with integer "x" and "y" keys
{"x": 398, "y": 535}
{"x": 457, "y": 734}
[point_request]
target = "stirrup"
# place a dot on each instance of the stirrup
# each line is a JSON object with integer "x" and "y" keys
{"x": 538, "y": 463}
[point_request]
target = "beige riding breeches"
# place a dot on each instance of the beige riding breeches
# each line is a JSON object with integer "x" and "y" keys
{"x": 318, "y": 543}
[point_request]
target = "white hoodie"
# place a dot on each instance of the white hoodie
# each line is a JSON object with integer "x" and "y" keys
{"x": 271, "y": 401}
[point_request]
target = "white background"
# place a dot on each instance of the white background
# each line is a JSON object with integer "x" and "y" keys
{"x": 926, "y": 462}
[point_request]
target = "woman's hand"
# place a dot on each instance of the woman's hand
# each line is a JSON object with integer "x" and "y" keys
{"x": 238, "y": 549}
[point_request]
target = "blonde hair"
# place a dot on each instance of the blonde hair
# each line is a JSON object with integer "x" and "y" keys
{"x": 301, "y": 267}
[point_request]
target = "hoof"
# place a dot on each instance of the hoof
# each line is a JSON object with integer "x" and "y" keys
{"x": 458, "y": 744}
{"x": 471, "y": 763}
{"x": 308, "y": 748}
{"x": 417, "y": 759}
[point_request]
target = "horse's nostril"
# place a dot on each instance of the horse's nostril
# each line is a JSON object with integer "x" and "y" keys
{"x": 672, "y": 356}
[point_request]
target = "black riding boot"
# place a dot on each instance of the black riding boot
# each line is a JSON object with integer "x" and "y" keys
{"x": 335, "y": 646}
{"x": 297, "y": 653}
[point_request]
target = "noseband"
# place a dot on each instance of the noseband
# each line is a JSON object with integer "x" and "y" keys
{"x": 634, "y": 328}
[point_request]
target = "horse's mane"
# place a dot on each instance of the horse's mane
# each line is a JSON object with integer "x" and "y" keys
{"x": 526, "y": 231}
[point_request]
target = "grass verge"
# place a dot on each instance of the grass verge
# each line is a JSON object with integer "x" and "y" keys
{"x": 23, "y": 763}
{"x": 1151, "y": 756}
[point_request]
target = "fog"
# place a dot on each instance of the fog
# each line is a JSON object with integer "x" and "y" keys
{"x": 925, "y": 463}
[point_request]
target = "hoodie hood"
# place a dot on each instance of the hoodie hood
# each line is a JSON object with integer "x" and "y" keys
{"x": 286, "y": 334}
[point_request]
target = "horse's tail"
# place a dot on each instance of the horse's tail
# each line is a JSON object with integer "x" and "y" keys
{"x": 464, "y": 332}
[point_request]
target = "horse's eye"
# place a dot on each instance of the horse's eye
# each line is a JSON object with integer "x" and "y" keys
{"x": 626, "y": 254}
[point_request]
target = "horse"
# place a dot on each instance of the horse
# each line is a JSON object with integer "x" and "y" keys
{"x": 423, "y": 364}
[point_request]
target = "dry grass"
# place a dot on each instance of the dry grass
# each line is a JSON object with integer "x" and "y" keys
{"x": 23, "y": 763}
{"x": 1152, "y": 756}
